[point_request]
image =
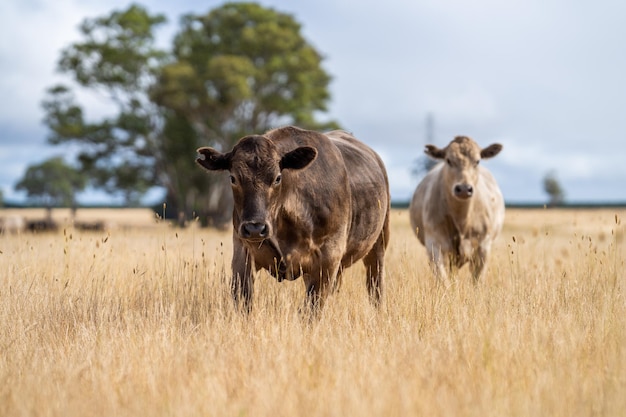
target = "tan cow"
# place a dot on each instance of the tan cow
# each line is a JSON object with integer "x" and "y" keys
{"x": 305, "y": 204}
{"x": 458, "y": 210}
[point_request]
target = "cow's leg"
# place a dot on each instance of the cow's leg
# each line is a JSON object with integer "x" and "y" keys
{"x": 439, "y": 258}
{"x": 440, "y": 263}
{"x": 479, "y": 260}
{"x": 374, "y": 268}
{"x": 319, "y": 283}
{"x": 242, "y": 282}
{"x": 335, "y": 285}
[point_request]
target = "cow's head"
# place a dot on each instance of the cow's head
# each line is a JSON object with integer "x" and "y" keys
{"x": 461, "y": 158}
{"x": 256, "y": 169}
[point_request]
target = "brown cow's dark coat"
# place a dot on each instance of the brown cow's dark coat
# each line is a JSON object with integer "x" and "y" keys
{"x": 306, "y": 204}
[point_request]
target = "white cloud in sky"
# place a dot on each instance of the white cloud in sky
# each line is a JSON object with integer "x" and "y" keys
{"x": 32, "y": 34}
{"x": 544, "y": 78}
{"x": 472, "y": 104}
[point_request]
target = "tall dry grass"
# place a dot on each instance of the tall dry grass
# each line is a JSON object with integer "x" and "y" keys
{"x": 139, "y": 322}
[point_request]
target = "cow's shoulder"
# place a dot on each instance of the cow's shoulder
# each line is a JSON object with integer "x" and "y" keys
{"x": 432, "y": 192}
{"x": 430, "y": 204}
{"x": 346, "y": 142}
{"x": 489, "y": 205}
{"x": 357, "y": 155}
{"x": 292, "y": 136}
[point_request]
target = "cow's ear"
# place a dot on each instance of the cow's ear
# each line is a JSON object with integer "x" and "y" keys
{"x": 490, "y": 151}
{"x": 212, "y": 160}
{"x": 298, "y": 158}
{"x": 434, "y": 152}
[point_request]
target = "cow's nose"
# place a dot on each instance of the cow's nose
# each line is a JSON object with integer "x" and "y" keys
{"x": 463, "y": 190}
{"x": 254, "y": 230}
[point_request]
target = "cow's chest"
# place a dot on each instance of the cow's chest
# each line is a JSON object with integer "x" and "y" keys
{"x": 465, "y": 245}
{"x": 285, "y": 259}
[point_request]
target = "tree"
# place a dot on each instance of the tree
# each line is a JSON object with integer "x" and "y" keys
{"x": 553, "y": 188}
{"x": 117, "y": 58}
{"x": 239, "y": 69}
{"x": 243, "y": 68}
{"x": 52, "y": 183}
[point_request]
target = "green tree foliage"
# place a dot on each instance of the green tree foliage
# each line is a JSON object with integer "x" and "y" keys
{"x": 239, "y": 69}
{"x": 243, "y": 68}
{"x": 53, "y": 183}
{"x": 117, "y": 59}
{"x": 554, "y": 190}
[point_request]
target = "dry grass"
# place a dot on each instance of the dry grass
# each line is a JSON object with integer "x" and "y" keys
{"x": 139, "y": 322}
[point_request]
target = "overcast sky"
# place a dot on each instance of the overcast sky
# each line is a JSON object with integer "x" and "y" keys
{"x": 546, "y": 78}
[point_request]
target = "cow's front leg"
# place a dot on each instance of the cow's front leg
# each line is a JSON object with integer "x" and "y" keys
{"x": 439, "y": 257}
{"x": 319, "y": 283}
{"x": 242, "y": 282}
{"x": 479, "y": 260}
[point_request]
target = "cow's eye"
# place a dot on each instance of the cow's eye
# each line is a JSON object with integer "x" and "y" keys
{"x": 278, "y": 179}
{"x": 232, "y": 179}
{"x": 477, "y": 162}
{"x": 448, "y": 161}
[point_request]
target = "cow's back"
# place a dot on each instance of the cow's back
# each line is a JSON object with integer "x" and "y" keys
{"x": 369, "y": 194}
{"x": 316, "y": 195}
{"x": 346, "y": 188}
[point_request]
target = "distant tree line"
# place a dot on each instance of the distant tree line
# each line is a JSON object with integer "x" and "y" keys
{"x": 552, "y": 187}
{"x": 239, "y": 69}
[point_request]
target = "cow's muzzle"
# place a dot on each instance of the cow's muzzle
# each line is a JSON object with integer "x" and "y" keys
{"x": 254, "y": 230}
{"x": 463, "y": 191}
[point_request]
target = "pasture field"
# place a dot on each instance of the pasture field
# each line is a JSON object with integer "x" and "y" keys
{"x": 137, "y": 320}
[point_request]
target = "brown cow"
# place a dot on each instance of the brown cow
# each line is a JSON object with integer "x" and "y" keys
{"x": 305, "y": 204}
{"x": 458, "y": 210}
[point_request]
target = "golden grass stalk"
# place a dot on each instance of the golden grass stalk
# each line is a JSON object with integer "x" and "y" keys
{"x": 139, "y": 321}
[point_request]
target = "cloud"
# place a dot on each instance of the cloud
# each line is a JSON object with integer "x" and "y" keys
{"x": 471, "y": 104}
{"x": 569, "y": 163}
{"x": 30, "y": 49}
{"x": 543, "y": 78}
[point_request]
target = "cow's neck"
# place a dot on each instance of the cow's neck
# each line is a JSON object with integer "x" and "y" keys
{"x": 459, "y": 212}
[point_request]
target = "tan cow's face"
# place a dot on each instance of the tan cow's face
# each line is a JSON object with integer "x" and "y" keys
{"x": 461, "y": 158}
{"x": 256, "y": 170}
